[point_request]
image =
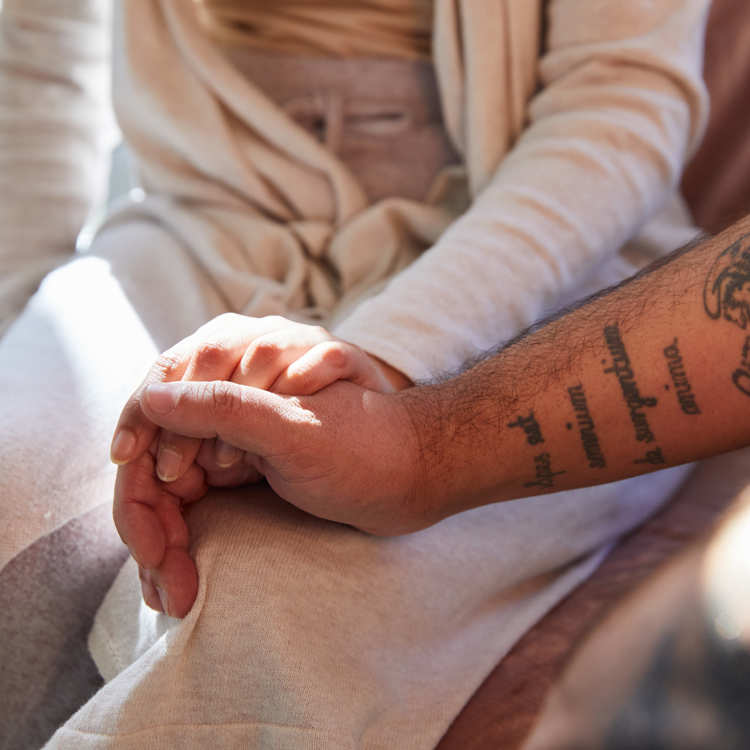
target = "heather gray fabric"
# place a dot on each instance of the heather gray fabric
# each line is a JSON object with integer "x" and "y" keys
{"x": 48, "y": 596}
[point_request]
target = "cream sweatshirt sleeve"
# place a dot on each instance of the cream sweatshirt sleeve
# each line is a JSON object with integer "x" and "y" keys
{"x": 56, "y": 128}
{"x": 621, "y": 107}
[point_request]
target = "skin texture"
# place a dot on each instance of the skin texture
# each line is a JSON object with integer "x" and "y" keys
{"x": 653, "y": 373}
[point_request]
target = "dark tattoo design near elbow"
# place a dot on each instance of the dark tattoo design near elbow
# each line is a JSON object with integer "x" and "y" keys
{"x": 586, "y": 428}
{"x": 726, "y": 294}
{"x": 727, "y": 290}
{"x": 682, "y": 386}
{"x": 741, "y": 376}
{"x": 623, "y": 371}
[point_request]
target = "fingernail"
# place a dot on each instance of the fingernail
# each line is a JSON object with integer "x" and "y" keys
{"x": 163, "y": 598}
{"x": 226, "y": 455}
{"x": 123, "y": 446}
{"x": 161, "y": 398}
{"x": 168, "y": 464}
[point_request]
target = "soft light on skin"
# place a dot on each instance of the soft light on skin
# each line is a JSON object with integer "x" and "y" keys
{"x": 726, "y": 576}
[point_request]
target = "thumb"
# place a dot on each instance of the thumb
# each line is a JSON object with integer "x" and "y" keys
{"x": 249, "y": 418}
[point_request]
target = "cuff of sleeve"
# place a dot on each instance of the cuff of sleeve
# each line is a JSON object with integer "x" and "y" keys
{"x": 399, "y": 342}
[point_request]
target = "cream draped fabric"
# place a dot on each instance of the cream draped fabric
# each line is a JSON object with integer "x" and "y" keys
{"x": 280, "y": 224}
{"x": 266, "y": 209}
{"x": 557, "y": 179}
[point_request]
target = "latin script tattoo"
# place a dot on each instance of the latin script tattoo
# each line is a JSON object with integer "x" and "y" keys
{"x": 531, "y": 428}
{"x": 545, "y": 477}
{"x": 624, "y": 373}
{"x": 586, "y": 428}
{"x": 683, "y": 389}
{"x": 636, "y": 403}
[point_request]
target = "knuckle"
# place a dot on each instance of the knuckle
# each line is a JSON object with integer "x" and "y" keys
{"x": 262, "y": 352}
{"x": 221, "y": 398}
{"x": 167, "y": 366}
{"x": 169, "y": 440}
{"x": 336, "y": 357}
{"x": 210, "y": 354}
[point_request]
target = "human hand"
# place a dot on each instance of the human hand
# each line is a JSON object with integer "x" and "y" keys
{"x": 305, "y": 446}
{"x": 148, "y": 514}
{"x": 270, "y": 353}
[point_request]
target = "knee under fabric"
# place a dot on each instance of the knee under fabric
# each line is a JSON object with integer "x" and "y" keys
{"x": 307, "y": 633}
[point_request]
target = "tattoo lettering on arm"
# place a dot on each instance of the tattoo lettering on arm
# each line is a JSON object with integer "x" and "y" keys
{"x": 531, "y": 428}
{"x": 545, "y": 476}
{"x": 726, "y": 295}
{"x": 636, "y": 403}
{"x": 741, "y": 376}
{"x": 622, "y": 370}
{"x": 586, "y": 428}
{"x": 683, "y": 389}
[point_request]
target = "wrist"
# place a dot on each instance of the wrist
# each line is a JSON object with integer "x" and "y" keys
{"x": 464, "y": 456}
{"x": 421, "y": 423}
{"x": 440, "y": 465}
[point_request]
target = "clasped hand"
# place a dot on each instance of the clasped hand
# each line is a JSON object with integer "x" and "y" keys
{"x": 245, "y": 398}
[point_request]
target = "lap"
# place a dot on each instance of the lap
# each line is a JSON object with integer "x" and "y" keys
{"x": 302, "y": 624}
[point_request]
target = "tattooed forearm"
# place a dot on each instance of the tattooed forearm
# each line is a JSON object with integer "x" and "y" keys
{"x": 531, "y": 428}
{"x": 683, "y": 389}
{"x": 577, "y": 401}
{"x": 586, "y": 428}
{"x": 624, "y": 374}
{"x": 545, "y": 476}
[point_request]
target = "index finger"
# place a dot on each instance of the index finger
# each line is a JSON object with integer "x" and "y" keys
{"x": 225, "y": 337}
